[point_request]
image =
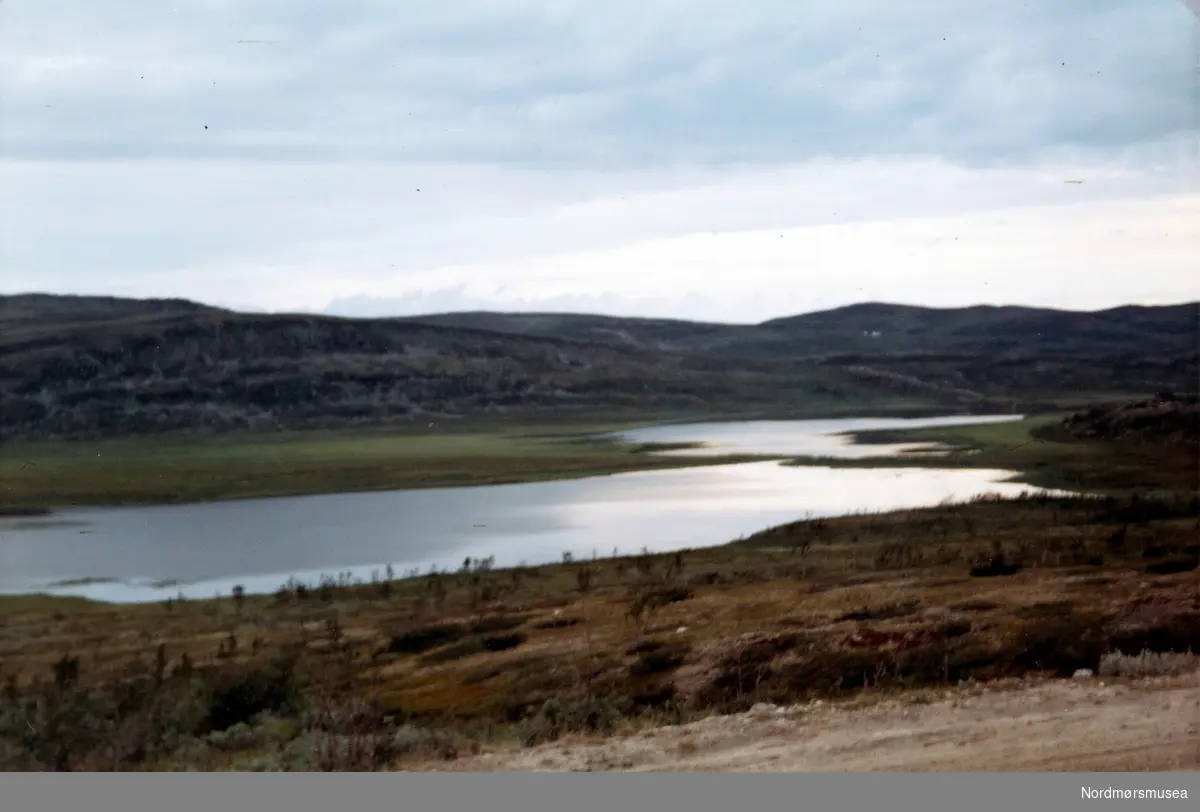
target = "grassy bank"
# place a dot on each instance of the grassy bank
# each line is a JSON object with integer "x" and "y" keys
{"x": 164, "y": 470}
{"x": 1039, "y": 454}
{"x": 172, "y": 469}
{"x": 395, "y": 672}
{"x": 480, "y": 450}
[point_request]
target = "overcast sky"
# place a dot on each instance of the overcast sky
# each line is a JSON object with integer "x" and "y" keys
{"x": 712, "y": 160}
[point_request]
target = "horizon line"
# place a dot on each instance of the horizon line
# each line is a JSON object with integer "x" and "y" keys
{"x": 587, "y": 314}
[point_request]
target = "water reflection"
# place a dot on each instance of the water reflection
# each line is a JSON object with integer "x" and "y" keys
{"x": 132, "y": 554}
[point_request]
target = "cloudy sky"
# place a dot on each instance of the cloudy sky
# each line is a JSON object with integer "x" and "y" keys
{"x": 714, "y": 160}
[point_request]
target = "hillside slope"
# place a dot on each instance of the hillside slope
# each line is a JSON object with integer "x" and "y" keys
{"x": 972, "y": 354}
{"x": 88, "y": 367}
{"x": 1167, "y": 419}
{"x": 102, "y": 372}
{"x": 873, "y": 328}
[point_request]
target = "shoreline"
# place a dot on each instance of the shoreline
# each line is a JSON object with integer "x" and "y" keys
{"x": 650, "y": 451}
{"x": 661, "y": 463}
{"x": 353, "y": 462}
{"x": 360, "y": 577}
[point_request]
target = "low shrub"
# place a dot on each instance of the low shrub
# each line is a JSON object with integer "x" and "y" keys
{"x": 558, "y": 716}
{"x": 1148, "y": 664}
{"x": 665, "y": 657}
{"x": 424, "y": 639}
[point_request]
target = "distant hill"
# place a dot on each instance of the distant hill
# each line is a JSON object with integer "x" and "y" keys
{"x": 37, "y": 312}
{"x": 866, "y": 328}
{"x": 91, "y": 366}
{"x": 660, "y": 335}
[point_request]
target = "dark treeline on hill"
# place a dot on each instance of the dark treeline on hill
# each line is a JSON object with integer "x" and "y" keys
{"x": 74, "y": 367}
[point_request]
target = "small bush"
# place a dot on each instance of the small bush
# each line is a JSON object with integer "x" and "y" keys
{"x": 886, "y": 611}
{"x": 1062, "y": 644}
{"x": 830, "y": 671}
{"x": 351, "y": 753}
{"x": 975, "y": 605}
{"x": 503, "y": 642}
{"x": 1173, "y": 565}
{"x": 663, "y": 658}
{"x": 898, "y": 555}
{"x": 1167, "y": 631}
{"x": 1148, "y": 664}
{"x": 499, "y": 623}
{"x": 741, "y": 672}
{"x": 474, "y": 645}
{"x": 952, "y": 629}
{"x": 654, "y": 697}
{"x": 421, "y": 640}
{"x": 671, "y": 594}
{"x": 556, "y": 717}
{"x": 410, "y": 740}
{"x": 646, "y": 646}
{"x": 240, "y": 736}
{"x": 238, "y": 694}
{"x": 348, "y": 737}
{"x": 263, "y": 763}
{"x": 1044, "y": 609}
{"x": 998, "y": 566}
{"x": 454, "y": 651}
{"x": 647, "y": 601}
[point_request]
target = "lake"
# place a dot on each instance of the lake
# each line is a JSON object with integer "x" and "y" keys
{"x": 152, "y": 553}
{"x": 796, "y": 438}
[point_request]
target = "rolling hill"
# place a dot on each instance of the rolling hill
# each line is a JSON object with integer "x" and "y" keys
{"x": 865, "y": 328}
{"x": 88, "y": 366}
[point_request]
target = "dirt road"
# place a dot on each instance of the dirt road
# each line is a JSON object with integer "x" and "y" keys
{"x": 1059, "y": 725}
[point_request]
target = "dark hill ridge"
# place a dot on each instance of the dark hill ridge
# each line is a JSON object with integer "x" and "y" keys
{"x": 91, "y": 366}
{"x": 30, "y": 308}
{"x": 661, "y": 335}
{"x": 868, "y": 327}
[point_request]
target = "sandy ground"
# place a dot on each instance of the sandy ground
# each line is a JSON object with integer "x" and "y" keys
{"x": 1059, "y": 725}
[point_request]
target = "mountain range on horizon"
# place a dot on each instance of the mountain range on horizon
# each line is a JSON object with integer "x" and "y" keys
{"x": 76, "y": 366}
{"x": 27, "y": 304}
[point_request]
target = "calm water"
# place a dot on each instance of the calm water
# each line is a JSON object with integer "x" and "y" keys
{"x": 796, "y": 438}
{"x": 128, "y": 553}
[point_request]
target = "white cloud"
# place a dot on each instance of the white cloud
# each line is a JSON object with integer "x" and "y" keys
{"x": 579, "y": 156}
{"x": 743, "y": 245}
{"x": 1083, "y": 256}
{"x": 622, "y": 83}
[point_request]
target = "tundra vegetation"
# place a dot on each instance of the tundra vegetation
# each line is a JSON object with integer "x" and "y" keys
{"x": 410, "y": 667}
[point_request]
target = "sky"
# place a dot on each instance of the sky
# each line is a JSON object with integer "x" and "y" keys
{"x": 700, "y": 160}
